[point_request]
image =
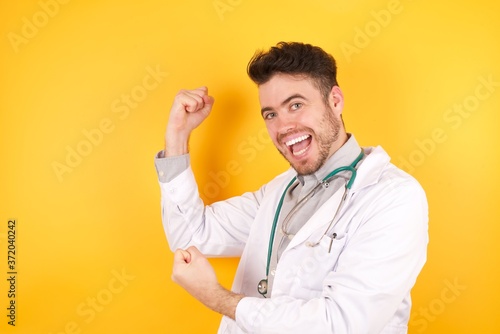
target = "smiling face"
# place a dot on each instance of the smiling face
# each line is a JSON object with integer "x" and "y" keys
{"x": 304, "y": 128}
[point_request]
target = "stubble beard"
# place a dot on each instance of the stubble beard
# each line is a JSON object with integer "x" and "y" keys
{"x": 327, "y": 135}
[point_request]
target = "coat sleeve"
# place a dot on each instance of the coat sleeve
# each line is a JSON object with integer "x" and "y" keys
{"x": 375, "y": 272}
{"x": 220, "y": 229}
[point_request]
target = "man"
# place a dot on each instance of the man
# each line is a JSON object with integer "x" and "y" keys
{"x": 333, "y": 245}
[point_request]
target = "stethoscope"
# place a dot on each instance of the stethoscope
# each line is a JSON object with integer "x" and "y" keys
{"x": 262, "y": 286}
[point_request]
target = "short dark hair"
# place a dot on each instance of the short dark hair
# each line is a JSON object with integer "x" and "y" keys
{"x": 295, "y": 58}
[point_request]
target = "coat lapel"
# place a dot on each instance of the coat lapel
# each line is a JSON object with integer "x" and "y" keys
{"x": 368, "y": 173}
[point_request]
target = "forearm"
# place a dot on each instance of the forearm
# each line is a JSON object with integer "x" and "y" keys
{"x": 222, "y": 301}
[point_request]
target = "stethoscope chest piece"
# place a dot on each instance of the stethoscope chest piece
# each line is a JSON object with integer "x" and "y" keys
{"x": 262, "y": 287}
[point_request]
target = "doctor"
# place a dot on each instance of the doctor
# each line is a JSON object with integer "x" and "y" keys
{"x": 332, "y": 245}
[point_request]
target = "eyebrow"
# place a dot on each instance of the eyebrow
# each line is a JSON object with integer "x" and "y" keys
{"x": 285, "y": 101}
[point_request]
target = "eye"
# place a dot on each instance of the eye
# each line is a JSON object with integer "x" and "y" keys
{"x": 269, "y": 115}
{"x": 296, "y": 106}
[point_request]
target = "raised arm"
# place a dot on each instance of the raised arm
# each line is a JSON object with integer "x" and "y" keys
{"x": 219, "y": 229}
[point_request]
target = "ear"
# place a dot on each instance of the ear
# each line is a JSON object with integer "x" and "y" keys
{"x": 336, "y": 100}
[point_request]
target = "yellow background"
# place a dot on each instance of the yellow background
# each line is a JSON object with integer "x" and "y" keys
{"x": 403, "y": 66}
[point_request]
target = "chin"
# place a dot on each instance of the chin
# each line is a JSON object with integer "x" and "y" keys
{"x": 305, "y": 169}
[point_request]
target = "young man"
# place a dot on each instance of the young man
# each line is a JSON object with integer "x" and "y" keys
{"x": 333, "y": 245}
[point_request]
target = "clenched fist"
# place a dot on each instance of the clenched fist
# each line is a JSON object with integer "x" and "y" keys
{"x": 195, "y": 274}
{"x": 189, "y": 109}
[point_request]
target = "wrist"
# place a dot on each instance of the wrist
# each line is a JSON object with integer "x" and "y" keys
{"x": 176, "y": 145}
{"x": 224, "y": 301}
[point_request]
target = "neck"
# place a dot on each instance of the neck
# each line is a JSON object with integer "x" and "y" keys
{"x": 343, "y": 137}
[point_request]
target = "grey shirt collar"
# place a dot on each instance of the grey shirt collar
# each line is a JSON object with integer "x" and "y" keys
{"x": 343, "y": 157}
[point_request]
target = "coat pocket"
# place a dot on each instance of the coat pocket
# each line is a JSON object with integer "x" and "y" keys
{"x": 318, "y": 260}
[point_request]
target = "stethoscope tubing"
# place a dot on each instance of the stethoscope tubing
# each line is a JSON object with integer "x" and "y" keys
{"x": 351, "y": 168}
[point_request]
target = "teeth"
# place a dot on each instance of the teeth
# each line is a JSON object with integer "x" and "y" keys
{"x": 300, "y": 152}
{"x": 296, "y": 140}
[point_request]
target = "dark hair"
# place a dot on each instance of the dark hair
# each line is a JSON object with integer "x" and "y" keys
{"x": 295, "y": 59}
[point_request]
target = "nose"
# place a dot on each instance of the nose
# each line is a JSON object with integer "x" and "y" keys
{"x": 286, "y": 123}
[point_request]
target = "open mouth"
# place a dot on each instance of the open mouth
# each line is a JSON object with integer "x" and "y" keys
{"x": 299, "y": 145}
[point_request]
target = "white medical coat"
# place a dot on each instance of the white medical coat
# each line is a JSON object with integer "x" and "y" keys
{"x": 361, "y": 286}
